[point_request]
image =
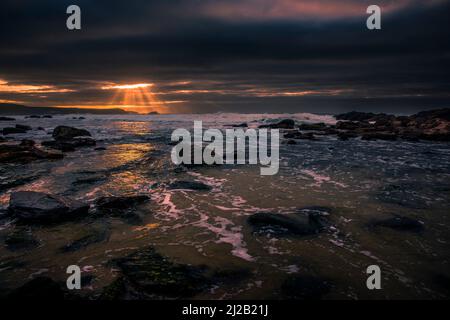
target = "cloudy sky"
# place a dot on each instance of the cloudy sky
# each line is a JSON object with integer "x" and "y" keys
{"x": 227, "y": 55}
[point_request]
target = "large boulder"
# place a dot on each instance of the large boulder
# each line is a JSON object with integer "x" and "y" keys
{"x": 31, "y": 206}
{"x": 67, "y": 133}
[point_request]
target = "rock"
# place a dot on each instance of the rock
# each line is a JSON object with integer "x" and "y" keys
{"x": 300, "y": 287}
{"x": 2, "y": 139}
{"x": 26, "y": 152}
{"x": 70, "y": 144}
{"x": 40, "y": 288}
{"x": 91, "y": 235}
{"x": 152, "y": 275}
{"x": 379, "y": 136}
{"x": 47, "y": 116}
{"x": 285, "y": 224}
{"x": 33, "y": 116}
{"x": 23, "y": 127}
{"x": 300, "y": 136}
{"x": 27, "y": 143}
{"x": 242, "y": 125}
{"x": 399, "y": 223}
{"x": 189, "y": 185}
{"x": 290, "y": 141}
{"x": 346, "y": 135}
{"x": 7, "y": 119}
{"x": 121, "y": 207}
{"x": 355, "y": 116}
{"x": 21, "y": 239}
{"x": 11, "y": 130}
{"x": 100, "y": 149}
{"x": 31, "y": 206}
{"x": 314, "y": 126}
{"x": 67, "y": 133}
{"x": 283, "y": 124}
{"x": 90, "y": 180}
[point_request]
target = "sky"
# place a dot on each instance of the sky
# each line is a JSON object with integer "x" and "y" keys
{"x": 249, "y": 56}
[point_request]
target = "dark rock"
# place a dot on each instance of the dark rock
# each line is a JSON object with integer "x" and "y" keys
{"x": 11, "y": 130}
{"x": 47, "y": 116}
{"x": 30, "y": 206}
{"x": 7, "y": 119}
{"x": 152, "y": 275}
{"x": 314, "y": 126}
{"x": 25, "y": 153}
{"x": 301, "y": 287}
{"x": 23, "y": 127}
{"x": 121, "y": 207}
{"x": 189, "y": 185}
{"x": 242, "y": 125}
{"x": 91, "y": 235}
{"x": 355, "y": 116}
{"x": 90, "y": 180}
{"x": 400, "y": 223}
{"x": 346, "y": 135}
{"x": 40, "y": 288}
{"x": 283, "y": 124}
{"x": 21, "y": 239}
{"x": 67, "y": 133}
{"x": 379, "y": 136}
{"x": 300, "y": 136}
{"x": 33, "y": 116}
{"x": 284, "y": 224}
{"x": 70, "y": 144}
{"x": 100, "y": 149}
{"x": 290, "y": 141}
{"x": 27, "y": 143}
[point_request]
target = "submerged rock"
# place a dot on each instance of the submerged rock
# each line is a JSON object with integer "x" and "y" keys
{"x": 149, "y": 274}
{"x": 21, "y": 239}
{"x": 91, "y": 235}
{"x": 67, "y": 133}
{"x": 291, "y": 224}
{"x": 31, "y": 206}
{"x": 399, "y": 223}
{"x": 121, "y": 207}
{"x": 189, "y": 185}
{"x": 301, "y": 287}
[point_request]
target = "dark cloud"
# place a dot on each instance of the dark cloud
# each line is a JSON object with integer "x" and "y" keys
{"x": 244, "y": 56}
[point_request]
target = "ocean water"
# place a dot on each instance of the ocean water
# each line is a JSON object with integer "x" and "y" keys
{"x": 357, "y": 181}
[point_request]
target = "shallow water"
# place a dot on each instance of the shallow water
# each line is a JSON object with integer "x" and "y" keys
{"x": 359, "y": 181}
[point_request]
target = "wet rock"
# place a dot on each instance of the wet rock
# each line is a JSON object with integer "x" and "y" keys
{"x": 241, "y": 125}
{"x": 2, "y": 139}
{"x": 189, "y": 185}
{"x": 31, "y": 206}
{"x": 283, "y": 124}
{"x": 344, "y": 136}
{"x": 100, "y": 149}
{"x": 70, "y": 144}
{"x": 67, "y": 133}
{"x": 21, "y": 239}
{"x": 27, "y": 143}
{"x": 291, "y": 141}
{"x": 355, "y": 116}
{"x": 33, "y": 116}
{"x": 13, "y": 153}
{"x": 399, "y": 223}
{"x": 121, "y": 207}
{"x": 91, "y": 235}
{"x": 292, "y": 224}
{"x": 23, "y": 127}
{"x": 300, "y": 136}
{"x": 90, "y": 180}
{"x": 47, "y": 116}
{"x": 152, "y": 275}
{"x": 12, "y": 130}
{"x": 379, "y": 136}
{"x": 7, "y": 119}
{"x": 314, "y": 126}
{"x": 302, "y": 287}
{"x": 40, "y": 288}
